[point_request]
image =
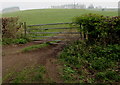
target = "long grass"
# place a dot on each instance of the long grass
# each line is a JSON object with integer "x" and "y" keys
{"x": 28, "y": 75}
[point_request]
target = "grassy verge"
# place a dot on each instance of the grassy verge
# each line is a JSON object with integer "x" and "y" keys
{"x": 33, "y": 47}
{"x": 27, "y": 75}
{"x": 84, "y": 63}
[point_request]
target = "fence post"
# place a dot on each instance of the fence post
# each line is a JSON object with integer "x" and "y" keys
{"x": 25, "y": 29}
{"x": 81, "y": 33}
{"x": 87, "y": 35}
{"x": 79, "y": 30}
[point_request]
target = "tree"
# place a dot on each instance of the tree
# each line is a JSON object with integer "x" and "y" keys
{"x": 91, "y": 6}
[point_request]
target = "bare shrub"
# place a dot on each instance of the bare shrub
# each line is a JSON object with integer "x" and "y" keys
{"x": 10, "y": 27}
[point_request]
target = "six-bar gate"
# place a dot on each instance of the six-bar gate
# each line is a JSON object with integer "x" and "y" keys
{"x": 52, "y": 32}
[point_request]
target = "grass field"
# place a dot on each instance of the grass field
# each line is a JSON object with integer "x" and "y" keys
{"x": 44, "y": 16}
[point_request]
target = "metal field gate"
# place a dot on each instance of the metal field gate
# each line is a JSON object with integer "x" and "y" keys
{"x": 52, "y": 32}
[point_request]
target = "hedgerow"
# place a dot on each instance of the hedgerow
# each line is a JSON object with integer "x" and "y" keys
{"x": 104, "y": 29}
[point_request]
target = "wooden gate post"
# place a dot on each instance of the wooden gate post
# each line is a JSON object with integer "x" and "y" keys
{"x": 25, "y": 29}
{"x": 81, "y": 33}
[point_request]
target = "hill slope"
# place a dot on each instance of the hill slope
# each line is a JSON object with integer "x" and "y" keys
{"x": 43, "y": 16}
{"x": 11, "y": 9}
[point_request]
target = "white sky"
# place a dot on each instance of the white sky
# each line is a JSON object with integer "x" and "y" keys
{"x": 38, "y": 4}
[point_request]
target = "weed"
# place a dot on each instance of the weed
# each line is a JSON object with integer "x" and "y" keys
{"x": 7, "y": 41}
{"x": 68, "y": 74}
{"x": 100, "y": 76}
{"x": 20, "y": 41}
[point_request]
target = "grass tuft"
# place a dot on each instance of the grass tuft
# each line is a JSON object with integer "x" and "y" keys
{"x": 33, "y": 47}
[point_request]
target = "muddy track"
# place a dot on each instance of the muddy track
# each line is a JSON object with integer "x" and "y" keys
{"x": 13, "y": 60}
{"x": 53, "y": 70}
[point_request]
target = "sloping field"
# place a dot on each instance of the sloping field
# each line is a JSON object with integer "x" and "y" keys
{"x": 44, "y": 16}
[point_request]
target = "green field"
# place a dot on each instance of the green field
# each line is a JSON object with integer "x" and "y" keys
{"x": 44, "y": 16}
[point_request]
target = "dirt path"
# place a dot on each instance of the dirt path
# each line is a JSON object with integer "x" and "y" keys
{"x": 53, "y": 70}
{"x": 15, "y": 61}
{"x": 12, "y": 49}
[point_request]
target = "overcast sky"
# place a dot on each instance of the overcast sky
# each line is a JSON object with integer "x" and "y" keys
{"x": 39, "y": 4}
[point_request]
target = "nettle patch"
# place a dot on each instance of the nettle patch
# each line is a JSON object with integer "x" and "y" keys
{"x": 95, "y": 60}
{"x": 94, "y": 63}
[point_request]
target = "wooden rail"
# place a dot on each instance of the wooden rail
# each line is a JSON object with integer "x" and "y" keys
{"x": 50, "y": 24}
{"x": 46, "y": 40}
{"x": 51, "y": 28}
{"x": 54, "y": 32}
{"x": 49, "y": 36}
{"x": 62, "y": 37}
